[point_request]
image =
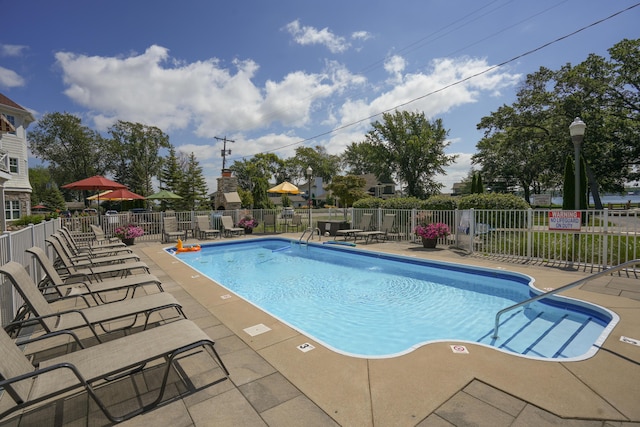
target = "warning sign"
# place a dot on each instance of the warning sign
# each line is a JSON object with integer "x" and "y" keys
{"x": 565, "y": 220}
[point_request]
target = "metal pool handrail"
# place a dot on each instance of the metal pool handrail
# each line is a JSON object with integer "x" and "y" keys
{"x": 560, "y": 289}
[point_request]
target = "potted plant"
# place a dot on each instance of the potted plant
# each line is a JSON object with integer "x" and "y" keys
{"x": 430, "y": 233}
{"x": 248, "y": 223}
{"x": 128, "y": 233}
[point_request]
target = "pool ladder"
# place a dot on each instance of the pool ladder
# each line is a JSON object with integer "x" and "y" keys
{"x": 310, "y": 234}
{"x": 562, "y": 288}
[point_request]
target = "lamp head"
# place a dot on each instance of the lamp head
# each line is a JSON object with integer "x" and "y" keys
{"x": 577, "y": 128}
{"x": 309, "y": 171}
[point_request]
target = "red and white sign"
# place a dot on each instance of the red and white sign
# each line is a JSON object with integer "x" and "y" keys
{"x": 565, "y": 220}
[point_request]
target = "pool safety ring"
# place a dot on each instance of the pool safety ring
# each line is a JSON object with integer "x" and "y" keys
{"x": 191, "y": 248}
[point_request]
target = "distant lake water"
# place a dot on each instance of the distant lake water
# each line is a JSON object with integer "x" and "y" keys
{"x": 609, "y": 198}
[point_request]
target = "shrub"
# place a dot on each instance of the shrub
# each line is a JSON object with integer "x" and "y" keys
{"x": 440, "y": 203}
{"x": 29, "y": 219}
{"x": 368, "y": 203}
{"x": 493, "y": 201}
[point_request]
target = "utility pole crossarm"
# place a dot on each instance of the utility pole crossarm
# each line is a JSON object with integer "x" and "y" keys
{"x": 224, "y": 151}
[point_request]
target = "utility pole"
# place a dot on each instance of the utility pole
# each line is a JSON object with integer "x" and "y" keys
{"x": 224, "y": 152}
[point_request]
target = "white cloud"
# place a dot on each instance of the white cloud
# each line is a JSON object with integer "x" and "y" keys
{"x": 395, "y": 66}
{"x": 361, "y": 35}
{"x": 9, "y": 78}
{"x": 306, "y": 35}
{"x": 11, "y": 49}
{"x": 209, "y": 99}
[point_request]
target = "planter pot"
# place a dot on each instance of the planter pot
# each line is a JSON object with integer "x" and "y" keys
{"x": 248, "y": 230}
{"x": 429, "y": 243}
{"x": 129, "y": 242}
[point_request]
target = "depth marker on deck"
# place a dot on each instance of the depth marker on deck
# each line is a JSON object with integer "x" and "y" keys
{"x": 257, "y": 329}
{"x": 630, "y": 340}
{"x": 305, "y": 347}
{"x": 460, "y": 349}
{"x": 225, "y": 296}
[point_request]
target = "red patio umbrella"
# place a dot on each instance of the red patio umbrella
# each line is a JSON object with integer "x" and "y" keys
{"x": 95, "y": 183}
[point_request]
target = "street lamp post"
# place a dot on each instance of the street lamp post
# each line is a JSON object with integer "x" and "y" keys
{"x": 309, "y": 175}
{"x": 576, "y": 129}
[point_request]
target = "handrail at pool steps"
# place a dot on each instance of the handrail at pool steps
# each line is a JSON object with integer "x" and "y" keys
{"x": 310, "y": 235}
{"x": 610, "y": 270}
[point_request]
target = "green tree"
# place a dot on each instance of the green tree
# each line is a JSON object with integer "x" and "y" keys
{"x": 479, "y": 185}
{"x": 137, "y": 146}
{"x": 528, "y": 141}
{"x": 73, "y": 151}
{"x": 324, "y": 165}
{"x": 260, "y": 198}
{"x": 193, "y": 188}
{"x": 263, "y": 165}
{"x": 569, "y": 187}
{"x": 347, "y": 189}
{"x": 170, "y": 178}
{"x": 411, "y": 148}
{"x": 44, "y": 190}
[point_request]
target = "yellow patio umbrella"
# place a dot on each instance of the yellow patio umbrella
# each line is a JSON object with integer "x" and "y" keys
{"x": 99, "y": 196}
{"x": 285, "y": 187}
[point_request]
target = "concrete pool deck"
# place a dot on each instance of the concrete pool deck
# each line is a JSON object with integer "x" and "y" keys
{"x": 274, "y": 383}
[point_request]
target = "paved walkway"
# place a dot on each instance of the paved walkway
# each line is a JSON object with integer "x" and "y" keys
{"x": 272, "y": 383}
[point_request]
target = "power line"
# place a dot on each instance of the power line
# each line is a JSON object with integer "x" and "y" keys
{"x": 458, "y": 82}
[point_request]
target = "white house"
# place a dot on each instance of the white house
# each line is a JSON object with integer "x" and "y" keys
{"x": 15, "y": 190}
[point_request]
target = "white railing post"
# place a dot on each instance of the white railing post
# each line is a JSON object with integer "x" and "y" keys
{"x": 529, "y": 233}
{"x": 605, "y": 237}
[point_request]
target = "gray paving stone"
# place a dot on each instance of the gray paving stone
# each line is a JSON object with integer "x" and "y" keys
{"x": 299, "y": 411}
{"x": 228, "y": 409}
{"x": 499, "y": 399}
{"x": 465, "y": 410}
{"x": 270, "y": 391}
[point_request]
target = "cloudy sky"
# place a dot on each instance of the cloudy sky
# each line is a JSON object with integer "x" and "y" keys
{"x": 273, "y": 76}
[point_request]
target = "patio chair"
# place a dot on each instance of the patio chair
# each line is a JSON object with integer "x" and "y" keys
{"x": 89, "y": 369}
{"x": 170, "y": 230}
{"x": 270, "y": 221}
{"x": 88, "y": 258}
{"x": 41, "y": 312}
{"x": 55, "y": 287}
{"x": 390, "y": 228}
{"x": 204, "y": 229}
{"x": 229, "y": 229}
{"x": 101, "y": 237}
{"x": 66, "y": 265}
{"x": 296, "y": 222}
{"x": 365, "y": 220}
{"x": 387, "y": 224}
{"x": 94, "y": 251}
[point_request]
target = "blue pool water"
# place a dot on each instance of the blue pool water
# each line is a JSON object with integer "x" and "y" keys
{"x": 378, "y": 305}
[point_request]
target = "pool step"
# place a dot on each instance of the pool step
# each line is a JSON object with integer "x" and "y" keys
{"x": 542, "y": 337}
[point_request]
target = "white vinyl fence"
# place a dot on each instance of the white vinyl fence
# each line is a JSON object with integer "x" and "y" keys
{"x": 605, "y": 238}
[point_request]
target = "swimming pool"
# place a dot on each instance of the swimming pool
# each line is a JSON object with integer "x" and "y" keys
{"x": 373, "y": 305}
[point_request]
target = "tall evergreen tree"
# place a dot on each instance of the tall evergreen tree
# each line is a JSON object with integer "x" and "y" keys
{"x": 193, "y": 188}
{"x": 479, "y": 185}
{"x": 170, "y": 178}
{"x": 569, "y": 188}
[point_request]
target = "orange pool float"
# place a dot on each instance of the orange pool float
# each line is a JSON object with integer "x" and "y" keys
{"x": 181, "y": 248}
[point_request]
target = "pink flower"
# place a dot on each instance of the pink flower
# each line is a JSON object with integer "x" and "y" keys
{"x": 128, "y": 231}
{"x": 433, "y": 231}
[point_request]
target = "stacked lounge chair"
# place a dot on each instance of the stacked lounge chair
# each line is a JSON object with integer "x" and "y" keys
{"x": 95, "y": 364}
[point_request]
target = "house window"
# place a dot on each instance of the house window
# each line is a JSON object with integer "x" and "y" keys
{"x": 13, "y": 165}
{"x": 11, "y": 120}
{"x": 12, "y": 209}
